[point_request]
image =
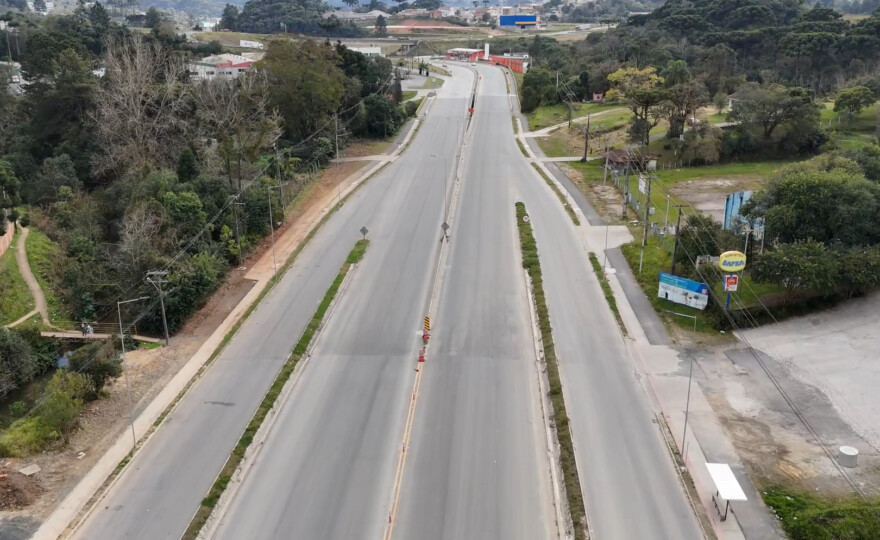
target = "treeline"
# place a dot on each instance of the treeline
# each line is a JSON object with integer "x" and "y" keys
{"x": 287, "y": 16}
{"x": 145, "y": 168}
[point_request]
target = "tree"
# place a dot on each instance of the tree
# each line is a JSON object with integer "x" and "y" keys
{"x": 381, "y": 25}
{"x": 9, "y": 197}
{"x": 63, "y": 403}
{"x": 229, "y": 20}
{"x": 825, "y": 199}
{"x": 383, "y": 118}
{"x": 55, "y": 173}
{"x": 767, "y": 107}
{"x": 98, "y": 361}
{"x": 350, "y": 3}
{"x": 640, "y": 89}
{"x": 17, "y": 365}
{"x": 239, "y": 114}
{"x": 187, "y": 166}
{"x": 682, "y": 102}
{"x": 852, "y": 100}
{"x": 303, "y": 77}
{"x": 40, "y": 6}
{"x": 805, "y": 265}
{"x": 142, "y": 111}
{"x": 675, "y": 72}
{"x": 154, "y": 17}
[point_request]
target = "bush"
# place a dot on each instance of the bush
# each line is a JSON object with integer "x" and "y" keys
{"x": 25, "y": 437}
{"x": 99, "y": 362}
{"x": 17, "y": 365}
{"x": 410, "y": 108}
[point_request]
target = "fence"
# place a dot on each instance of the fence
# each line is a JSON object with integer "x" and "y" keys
{"x": 6, "y": 239}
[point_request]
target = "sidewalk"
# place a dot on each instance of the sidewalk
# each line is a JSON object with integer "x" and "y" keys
{"x": 70, "y": 509}
{"x": 666, "y": 374}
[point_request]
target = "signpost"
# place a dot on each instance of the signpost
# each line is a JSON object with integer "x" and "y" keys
{"x": 683, "y": 291}
{"x": 731, "y": 261}
{"x": 364, "y": 232}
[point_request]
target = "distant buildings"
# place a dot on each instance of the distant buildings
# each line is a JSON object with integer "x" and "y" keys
{"x": 355, "y": 16}
{"x": 221, "y": 66}
{"x": 367, "y": 51}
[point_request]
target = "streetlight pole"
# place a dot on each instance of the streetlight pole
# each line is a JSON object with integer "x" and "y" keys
{"x": 272, "y": 228}
{"x": 157, "y": 283}
{"x": 687, "y": 407}
{"x": 445, "y": 189}
{"x": 124, "y": 370}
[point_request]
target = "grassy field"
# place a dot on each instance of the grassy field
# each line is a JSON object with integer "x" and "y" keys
{"x": 409, "y": 94}
{"x": 16, "y": 300}
{"x": 41, "y": 252}
{"x": 807, "y": 517}
{"x": 549, "y": 115}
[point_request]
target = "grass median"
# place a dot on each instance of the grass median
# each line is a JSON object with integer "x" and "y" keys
{"x": 568, "y": 209}
{"x": 238, "y": 453}
{"x": 606, "y": 290}
{"x": 532, "y": 264}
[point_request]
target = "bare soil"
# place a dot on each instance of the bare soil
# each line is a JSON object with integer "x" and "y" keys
{"x": 148, "y": 372}
{"x": 709, "y": 195}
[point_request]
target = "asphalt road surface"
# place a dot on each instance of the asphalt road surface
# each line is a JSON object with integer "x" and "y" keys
{"x": 372, "y": 335}
{"x": 478, "y": 465}
{"x": 328, "y": 466}
{"x": 626, "y": 472}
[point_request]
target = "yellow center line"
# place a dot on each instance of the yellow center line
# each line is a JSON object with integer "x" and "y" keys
{"x": 401, "y": 460}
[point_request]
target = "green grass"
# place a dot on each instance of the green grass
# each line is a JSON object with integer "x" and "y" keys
{"x": 559, "y": 195}
{"x": 521, "y": 147}
{"x": 235, "y": 458}
{"x": 439, "y": 70}
{"x": 549, "y": 115}
{"x": 555, "y": 146}
{"x": 658, "y": 259}
{"x": 431, "y": 83}
{"x": 148, "y": 346}
{"x": 515, "y": 126}
{"x": 617, "y": 118}
{"x": 606, "y": 290}
{"x": 866, "y": 121}
{"x": 532, "y": 264}
{"x": 409, "y": 94}
{"x": 808, "y": 517}
{"x": 16, "y": 300}
{"x": 42, "y": 253}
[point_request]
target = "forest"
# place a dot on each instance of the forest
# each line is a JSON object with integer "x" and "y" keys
{"x": 140, "y": 167}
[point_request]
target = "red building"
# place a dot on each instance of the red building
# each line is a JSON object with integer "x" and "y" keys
{"x": 517, "y": 64}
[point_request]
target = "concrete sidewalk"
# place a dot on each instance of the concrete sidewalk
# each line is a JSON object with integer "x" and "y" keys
{"x": 666, "y": 374}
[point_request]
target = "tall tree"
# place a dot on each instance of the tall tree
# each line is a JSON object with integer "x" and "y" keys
{"x": 381, "y": 26}
{"x": 641, "y": 91}
{"x": 770, "y": 106}
{"x": 229, "y": 20}
{"x": 852, "y": 100}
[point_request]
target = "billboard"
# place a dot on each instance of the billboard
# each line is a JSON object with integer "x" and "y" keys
{"x": 250, "y": 44}
{"x": 514, "y": 20}
{"x": 732, "y": 261}
{"x": 683, "y": 291}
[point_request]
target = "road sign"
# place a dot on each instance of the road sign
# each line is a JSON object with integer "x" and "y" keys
{"x": 364, "y": 232}
{"x": 526, "y": 218}
{"x": 642, "y": 184}
{"x": 731, "y": 282}
{"x": 427, "y": 324}
{"x": 445, "y": 226}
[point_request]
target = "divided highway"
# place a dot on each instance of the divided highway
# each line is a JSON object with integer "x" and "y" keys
{"x": 478, "y": 465}
{"x": 327, "y": 469}
{"x": 357, "y": 379}
{"x": 627, "y": 474}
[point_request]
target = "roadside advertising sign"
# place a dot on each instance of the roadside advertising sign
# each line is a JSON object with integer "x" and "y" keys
{"x": 730, "y": 282}
{"x": 732, "y": 261}
{"x": 683, "y": 291}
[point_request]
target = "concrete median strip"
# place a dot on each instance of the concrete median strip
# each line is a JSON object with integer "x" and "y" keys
{"x": 571, "y": 480}
{"x": 299, "y": 351}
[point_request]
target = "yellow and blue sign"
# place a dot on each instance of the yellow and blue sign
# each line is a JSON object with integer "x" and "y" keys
{"x": 732, "y": 261}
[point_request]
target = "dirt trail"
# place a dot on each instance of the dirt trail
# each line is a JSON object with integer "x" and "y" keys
{"x": 25, "y": 269}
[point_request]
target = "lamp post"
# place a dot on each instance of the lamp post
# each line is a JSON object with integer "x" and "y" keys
{"x": 157, "y": 279}
{"x": 125, "y": 371}
{"x": 445, "y": 189}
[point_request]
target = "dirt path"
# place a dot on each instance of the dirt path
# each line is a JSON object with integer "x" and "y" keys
{"x": 25, "y": 269}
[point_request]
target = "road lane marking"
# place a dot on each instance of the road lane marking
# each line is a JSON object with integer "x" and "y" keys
{"x": 401, "y": 460}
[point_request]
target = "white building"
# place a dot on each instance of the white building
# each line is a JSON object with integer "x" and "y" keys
{"x": 367, "y": 51}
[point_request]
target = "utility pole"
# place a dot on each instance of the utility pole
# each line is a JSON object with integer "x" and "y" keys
{"x": 272, "y": 231}
{"x": 157, "y": 283}
{"x": 125, "y": 371}
{"x": 235, "y": 204}
{"x": 586, "y": 140}
{"x": 625, "y": 188}
{"x": 647, "y": 222}
{"x": 677, "y": 233}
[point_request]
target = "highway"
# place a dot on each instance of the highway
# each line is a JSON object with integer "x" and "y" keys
{"x": 478, "y": 465}
{"x": 626, "y": 473}
{"x": 328, "y": 466}
{"x": 159, "y": 492}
